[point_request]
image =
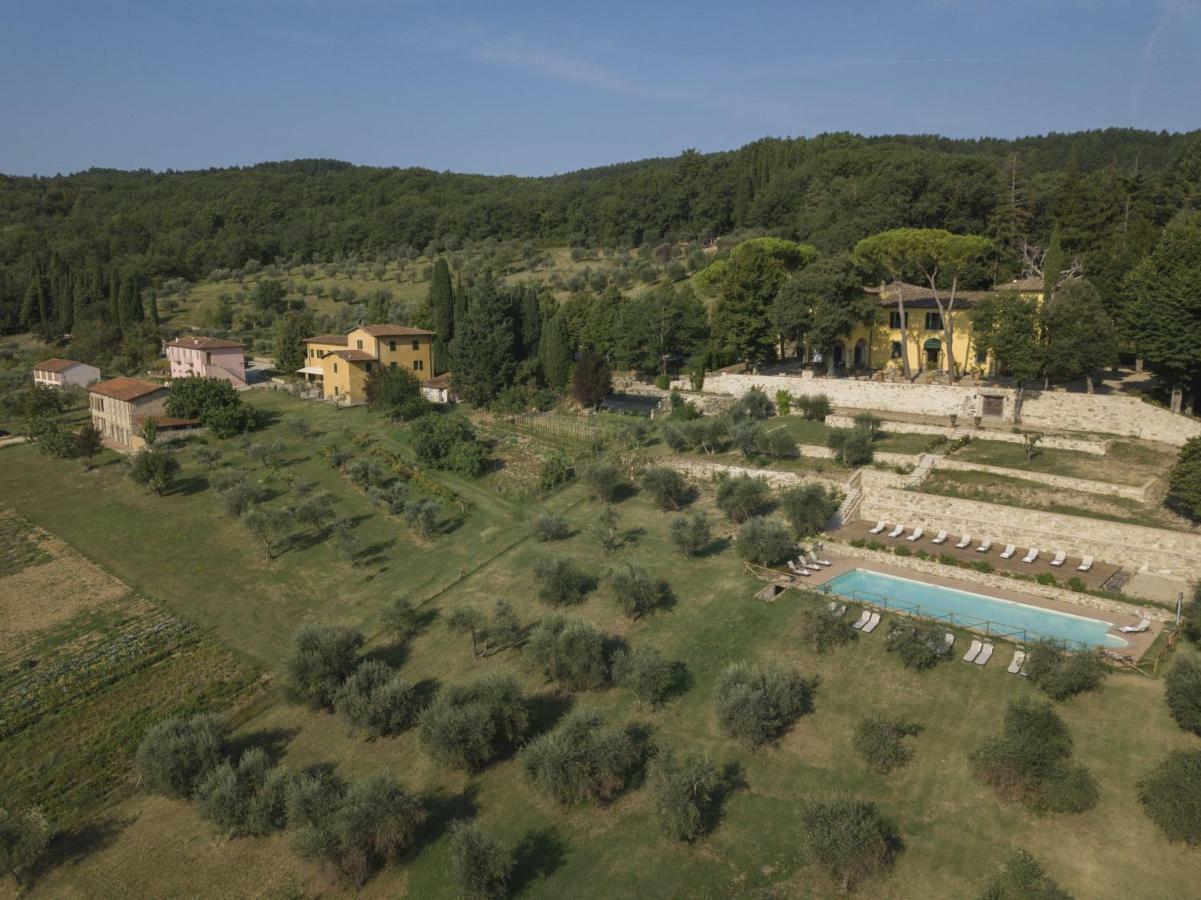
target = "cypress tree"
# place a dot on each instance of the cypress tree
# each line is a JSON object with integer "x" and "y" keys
{"x": 555, "y": 352}
{"x": 442, "y": 311}
{"x": 531, "y": 320}
{"x": 153, "y": 305}
{"x": 114, "y": 297}
{"x": 483, "y": 360}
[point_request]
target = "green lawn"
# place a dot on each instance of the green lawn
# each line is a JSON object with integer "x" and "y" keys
{"x": 182, "y": 550}
{"x": 1125, "y": 463}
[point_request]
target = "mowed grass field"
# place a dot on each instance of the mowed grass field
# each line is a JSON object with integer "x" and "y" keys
{"x": 184, "y": 552}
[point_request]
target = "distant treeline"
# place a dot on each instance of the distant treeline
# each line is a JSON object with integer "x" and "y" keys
{"x": 68, "y": 244}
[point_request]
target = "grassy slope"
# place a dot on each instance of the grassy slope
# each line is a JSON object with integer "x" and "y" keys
{"x": 184, "y": 551}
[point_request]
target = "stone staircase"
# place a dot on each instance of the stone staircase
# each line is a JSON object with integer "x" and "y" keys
{"x": 849, "y": 508}
{"x": 924, "y": 467}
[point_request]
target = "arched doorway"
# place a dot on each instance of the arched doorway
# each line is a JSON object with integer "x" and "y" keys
{"x": 859, "y": 359}
{"x": 839, "y": 355}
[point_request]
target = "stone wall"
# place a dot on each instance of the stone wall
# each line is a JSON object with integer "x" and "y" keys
{"x": 1000, "y": 582}
{"x": 1085, "y": 485}
{"x": 1054, "y": 410}
{"x": 1049, "y": 441}
{"x": 700, "y": 470}
{"x": 1131, "y": 546}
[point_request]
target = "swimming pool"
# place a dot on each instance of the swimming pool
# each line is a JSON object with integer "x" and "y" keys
{"x": 992, "y": 615}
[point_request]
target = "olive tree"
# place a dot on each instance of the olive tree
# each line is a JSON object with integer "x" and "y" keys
{"x": 682, "y": 788}
{"x": 320, "y": 659}
{"x": 757, "y": 705}
{"x": 176, "y": 754}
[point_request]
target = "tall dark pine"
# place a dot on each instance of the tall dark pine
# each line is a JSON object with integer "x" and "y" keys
{"x": 555, "y": 352}
{"x": 531, "y": 321}
{"x": 483, "y": 358}
{"x": 442, "y": 313}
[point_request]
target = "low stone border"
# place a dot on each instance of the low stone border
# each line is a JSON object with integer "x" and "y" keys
{"x": 1054, "y": 442}
{"x": 1068, "y": 483}
{"x": 707, "y": 471}
{"x": 999, "y": 582}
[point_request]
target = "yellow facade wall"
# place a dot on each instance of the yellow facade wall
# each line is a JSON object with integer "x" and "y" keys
{"x": 872, "y": 346}
{"x": 347, "y": 379}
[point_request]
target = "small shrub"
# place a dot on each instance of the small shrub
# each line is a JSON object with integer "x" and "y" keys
{"x": 466, "y": 726}
{"x": 881, "y": 742}
{"x": 876, "y": 545}
{"x": 581, "y": 759}
{"x": 947, "y": 560}
{"x": 850, "y": 839}
{"x": 852, "y": 447}
{"x": 604, "y": 481}
{"x": 559, "y": 581}
{"x": 691, "y": 533}
{"x": 247, "y": 799}
{"x": 1022, "y": 877}
{"x": 1045, "y": 578}
{"x": 554, "y": 471}
{"x": 643, "y": 671}
{"x": 551, "y": 527}
{"x": 176, "y": 754}
{"x": 1182, "y": 690}
{"x": 823, "y": 628}
{"x": 1171, "y": 796}
{"x": 1061, "y": 673}
{"x": 569, "y": 652}
{"x": 682, "y": 789}
{"x": 662, "y": 382}
{"x": 921, "y": 554}
{"x": 401, "y": 619}
{"x": 743, "y": 496}
{"x": 858, "y": 542}
{"x": 783, "y": 402}
{"x": 377, "y": 699}
{"x": 919, "y": 644}
{"x": 814, "y": 407}
{"x": 754, "y": 405}
{"x": 24, "y": 838}
{"x": 757, "y": 705}
{"x": 982, "y": 565}
{"x": 764, "y": 541}
{"x": 479, "y": 861}
{"x": 1076, "y": 583}
{"x": 903, "y": 551}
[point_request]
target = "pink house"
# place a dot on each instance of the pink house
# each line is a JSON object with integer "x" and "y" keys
{"x": 58, "y": 373}
{"x": 206, "y": 357}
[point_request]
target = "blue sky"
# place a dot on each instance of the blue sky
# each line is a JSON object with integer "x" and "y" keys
{"x": 531, "y": 87}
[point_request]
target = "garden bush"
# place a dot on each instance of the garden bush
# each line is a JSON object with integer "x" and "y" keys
{"x": 581, "y": 759}
{"x": 603, "y": 481}
{"x": 764, "y": 541}
{"x": 468, "y": 725}
{"x": 643, "y": 671}
{"x": 559, "y": 581}
{"x": 1022, "y": 877}
{"x": 637, "y": 593}
{"x": 666, "y": 487}
{"x": 176, "y": 754}
{"x": 479, "y": 861}
{"x": 919, "y": 644}
{"x": 808, "y": 508}
{"x": 880, "y": 741}
{"x": 1171, "y": 796}
{"x": 823, "y": 628}
{"x": 321, "y": 658}
{"x": 753, "y": 406}
{"x": 1061, "y": 673}
{"x": 377, "y": 699}
{"x": 682, "y": 789}
{"x": 24, "y": 838}
{"x": 569, "y": 652}
{"x": 1182, "y": 690}
{"x": 757, "y": 705}
{"x": 743, "y": 496}
{"x": 850, "y": 839}
{"x": 247, "y": 799}
{"x": 554, "y": 471}
{"x": 814, "y": 407}
{"x": 551, "y": 527}
{"x": 1030, "y": 762}
{"x": 691, "y": 533}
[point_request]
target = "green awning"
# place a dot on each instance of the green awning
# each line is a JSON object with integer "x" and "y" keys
{"x": 933, "y": 344}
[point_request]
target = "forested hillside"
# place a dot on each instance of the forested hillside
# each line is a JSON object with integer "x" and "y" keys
{"x": 69, "y": 243}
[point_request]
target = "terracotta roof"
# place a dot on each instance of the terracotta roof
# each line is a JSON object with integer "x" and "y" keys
{"x": 125, "y": 388}
{"x": 204, "y": 343}
{"x": 391, "y": 330}
{"x": 326, "y": 339}
{"x": 1021, "y": 284}
{"x": 922, "y": 297}
{"x": 351, "y": 355}
{"x": 56, "y": 365}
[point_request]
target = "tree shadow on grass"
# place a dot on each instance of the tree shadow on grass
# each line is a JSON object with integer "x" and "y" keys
{"x": 546, "y": 709}
{"x": 731, "y": 780}
{"x": 441, "y": 809}
{"x": 720, "y": 545}
{"x": 272, "y": 741}
{"x": 76, "y": 844}
{"x": 185, "y": 487}
{"x": 539, "y": 854}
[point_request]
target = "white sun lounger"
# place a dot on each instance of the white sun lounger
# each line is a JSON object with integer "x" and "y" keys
{"x": 940, "y": 538}
{"x": 814, "y": 561}
{"x": 880, "y": 526}
{"x": 871, "y": 623}
{"x": 1059, "y": 558}
{"x": 917, "y": 533}
{"x": 862, "y": 620}
{"x": 896, "y": 532}
{"x": 985, "y": 655}
{"x": 1031, "y": 555}
{"x": 1008, "y": 551}
{"x": 1136, "y": 629}
{"x": 804, "y": 573}
{"x": 1085, "y": 564}
{"x": 1019, "y": 660}
{"x": 972, "y": 652}
{"x": 985, "y": 547}
{"x": 964, "y": 542}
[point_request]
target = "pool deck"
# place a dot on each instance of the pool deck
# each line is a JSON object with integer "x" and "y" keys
{"x": 1138, "y": 643}
{"x": 1093, "y": 579}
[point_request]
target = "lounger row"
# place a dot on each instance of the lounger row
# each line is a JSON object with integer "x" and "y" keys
{"x": 985, "y": 545}
{"x": 808, "y": 564}
{"x": 867, "y": 621}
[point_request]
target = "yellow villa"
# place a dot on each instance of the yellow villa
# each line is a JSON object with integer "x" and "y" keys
{"x": 922, "y": 336}
{"x": 340, "y": 364}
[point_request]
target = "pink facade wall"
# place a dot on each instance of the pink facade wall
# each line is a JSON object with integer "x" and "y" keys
{"x": 186, "y": 362}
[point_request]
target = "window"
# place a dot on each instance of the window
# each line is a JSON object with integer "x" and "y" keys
{"x": 418, "y": 365}
{"x": 981, "y": 357}
{"x": 934, "y": 321}
{"x": 359, "y": 344}
{"x": 368, "y": 368}
{"x": 896, "y": 350}
{"x": 392, "y": 364}
{"x": 336, "y": 390}
{"x": 894, "y": 319}
{"x": 335, "y": 368}
{"x": 416, "y": 345}
{"x": 391, "y": 345}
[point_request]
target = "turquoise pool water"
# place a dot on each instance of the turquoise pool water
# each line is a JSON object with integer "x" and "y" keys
{"x": 1004, "y": 618}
